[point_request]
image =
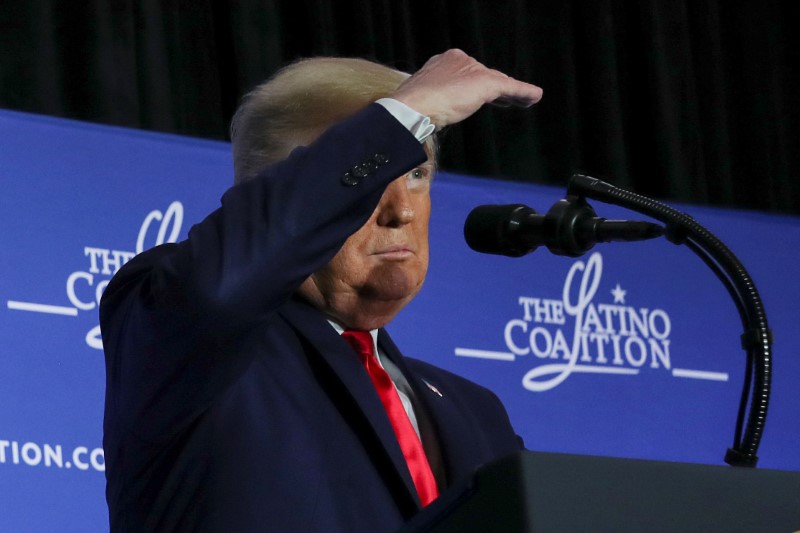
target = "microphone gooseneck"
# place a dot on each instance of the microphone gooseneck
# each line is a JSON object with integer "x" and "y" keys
{"x": 571, "y": 228}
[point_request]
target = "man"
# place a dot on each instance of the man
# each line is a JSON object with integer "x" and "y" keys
{"x": 232, "y": 402}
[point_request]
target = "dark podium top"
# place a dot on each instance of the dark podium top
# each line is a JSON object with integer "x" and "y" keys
{"x": 545, "y": 492}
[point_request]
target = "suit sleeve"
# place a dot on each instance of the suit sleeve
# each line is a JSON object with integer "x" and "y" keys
{"x": 174, "y": 318}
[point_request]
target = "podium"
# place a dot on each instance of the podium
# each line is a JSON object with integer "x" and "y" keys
{"x": 547, "y": 492}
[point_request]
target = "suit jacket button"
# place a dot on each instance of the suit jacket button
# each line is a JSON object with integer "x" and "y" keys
{"x": 359, "y": 171}
{"x": 350, "y": 180}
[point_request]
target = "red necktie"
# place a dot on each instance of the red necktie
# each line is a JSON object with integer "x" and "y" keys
{"x": 409, "y": 441}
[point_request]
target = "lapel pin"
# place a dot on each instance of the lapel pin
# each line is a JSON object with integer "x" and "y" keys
{"x": 434, "y": 389}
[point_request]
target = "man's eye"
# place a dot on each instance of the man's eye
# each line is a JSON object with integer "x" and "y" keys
{"x": 419, "y": 178}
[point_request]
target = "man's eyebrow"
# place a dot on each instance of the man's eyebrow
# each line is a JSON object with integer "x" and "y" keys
{"x": 431, "y": 163}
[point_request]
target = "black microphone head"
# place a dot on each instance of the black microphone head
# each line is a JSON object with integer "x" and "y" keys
{"x": 501, "y": 229}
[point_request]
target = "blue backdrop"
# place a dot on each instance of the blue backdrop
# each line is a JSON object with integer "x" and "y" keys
{"x": 630, "y": 351}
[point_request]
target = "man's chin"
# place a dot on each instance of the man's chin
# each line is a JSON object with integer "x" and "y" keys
{"x": 392, "y": 283}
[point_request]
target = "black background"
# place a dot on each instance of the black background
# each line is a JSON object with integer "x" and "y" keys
{"x": 683, "y": 100}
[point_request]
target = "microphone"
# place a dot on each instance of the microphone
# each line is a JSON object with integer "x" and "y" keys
{"x": 570, "y": 227}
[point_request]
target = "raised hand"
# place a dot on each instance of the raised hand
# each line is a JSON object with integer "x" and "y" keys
{"x": 452, "y": 86}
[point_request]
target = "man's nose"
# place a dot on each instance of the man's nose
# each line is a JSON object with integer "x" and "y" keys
{"x": 396, "y": 208}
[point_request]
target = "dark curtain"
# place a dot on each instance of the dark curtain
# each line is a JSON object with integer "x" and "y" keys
{"x": 683, "y": 100}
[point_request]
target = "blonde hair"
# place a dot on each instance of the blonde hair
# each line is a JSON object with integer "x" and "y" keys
{"x": 298, "y": 103}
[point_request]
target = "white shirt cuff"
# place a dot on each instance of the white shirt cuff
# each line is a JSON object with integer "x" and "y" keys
{"x": 418, "y": 124}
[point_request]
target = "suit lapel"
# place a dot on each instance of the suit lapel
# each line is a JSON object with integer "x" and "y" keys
{"x": 445, "y": 413}
{"x": 355, "y": 387}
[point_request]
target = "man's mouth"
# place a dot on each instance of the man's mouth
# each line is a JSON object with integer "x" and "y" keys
{"x": 396, "y": 252}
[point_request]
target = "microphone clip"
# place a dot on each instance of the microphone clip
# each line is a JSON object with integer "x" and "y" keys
{"x": 569, "y": 226}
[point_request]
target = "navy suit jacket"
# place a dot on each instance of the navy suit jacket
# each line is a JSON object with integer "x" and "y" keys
{"x": 231, "y": 405}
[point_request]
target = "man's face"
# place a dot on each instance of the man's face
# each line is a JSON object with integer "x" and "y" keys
{"x": 381, "y": 267}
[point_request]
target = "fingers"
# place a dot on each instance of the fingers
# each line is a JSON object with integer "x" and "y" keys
{"x": 525, "y": 100}
{"x": 513, "y": 92}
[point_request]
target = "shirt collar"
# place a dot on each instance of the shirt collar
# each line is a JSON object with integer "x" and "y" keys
{"x": 340, "y": 329}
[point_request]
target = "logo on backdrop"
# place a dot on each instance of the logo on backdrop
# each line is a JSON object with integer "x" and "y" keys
{"x": 29, "y": 453}
{"x": 584, "y": 332}
{"x": 85, "y": 287}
